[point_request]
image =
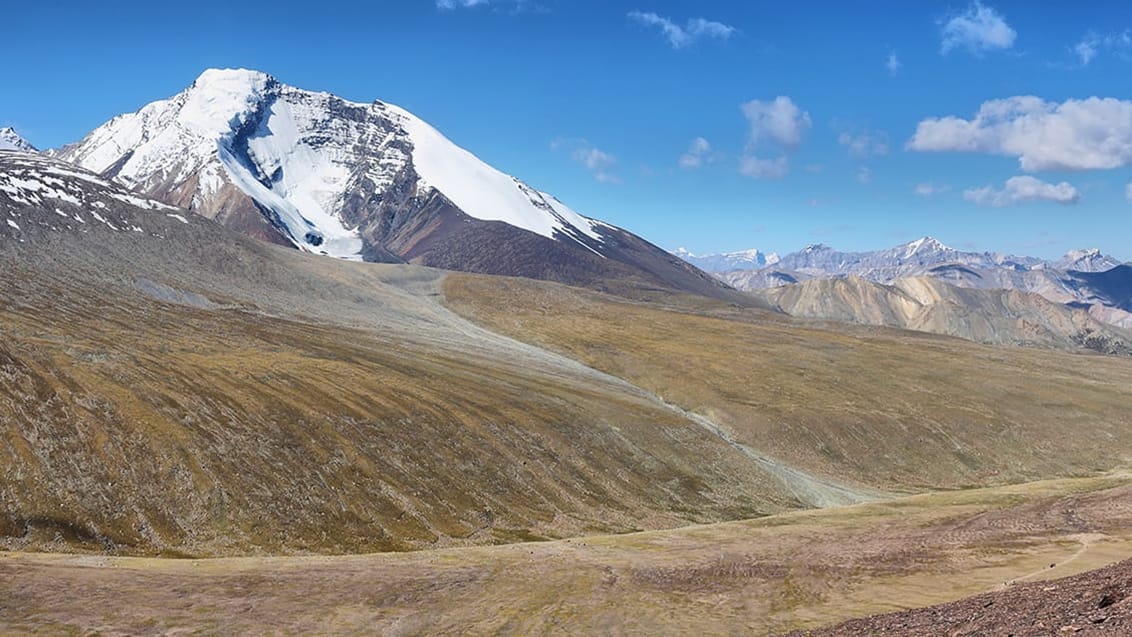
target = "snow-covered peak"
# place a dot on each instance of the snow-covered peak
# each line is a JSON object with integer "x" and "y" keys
{"x": 924, "y": 245}
{"x": 727, "y": 261}
{"x": 308, "y": 160}
{"x": 11, "y": 140}
{"x": 229, "y": 80}
{"x": 221, "y": 100}
{"x": 1087, "y": 260}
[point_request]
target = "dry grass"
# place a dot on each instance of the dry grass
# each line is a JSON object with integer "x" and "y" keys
{"x": 896, "y": 410}
{"x": 133, "y": 426}
{"x": 796, "y": 570}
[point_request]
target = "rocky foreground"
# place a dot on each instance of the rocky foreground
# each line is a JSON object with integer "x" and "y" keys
{"x": 1092, "y": 603}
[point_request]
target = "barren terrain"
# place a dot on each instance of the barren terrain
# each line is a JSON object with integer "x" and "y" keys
{"x": 798, "y": 570}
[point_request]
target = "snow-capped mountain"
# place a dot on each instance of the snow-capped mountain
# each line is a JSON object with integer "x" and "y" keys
{"x": 726, "y": 261}
{"x": 908, "y": 259}
{"x": 356, "y": 181}
{"x": 1088, "y": 260}
{"x": 1064, "y": 281}
{"x": 11, "y": 140}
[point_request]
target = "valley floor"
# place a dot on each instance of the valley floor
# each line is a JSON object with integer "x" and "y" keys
{"x": 798, "y": 570}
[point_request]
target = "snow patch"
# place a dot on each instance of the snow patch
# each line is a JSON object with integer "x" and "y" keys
{"x": 483, "y": 192}
{"x": 306, "y": 180}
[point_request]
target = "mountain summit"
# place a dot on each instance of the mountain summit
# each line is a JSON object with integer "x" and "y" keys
{"x": 11, "y": 140}
{"x": 357, "y": 181}
{"x": 1087, "y": 260}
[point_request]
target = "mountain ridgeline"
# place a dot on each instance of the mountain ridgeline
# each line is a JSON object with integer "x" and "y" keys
{"x": 362, "y": 181}
{"x": 1085, "y": 280}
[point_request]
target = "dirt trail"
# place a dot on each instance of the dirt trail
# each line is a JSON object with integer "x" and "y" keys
{"x": 1086, "y": 539}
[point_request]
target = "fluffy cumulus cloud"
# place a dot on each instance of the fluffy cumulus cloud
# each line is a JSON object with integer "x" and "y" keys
{"x": 600, "y": 163}
{"x": 1088, "y": 134}
{"x": 699, "y": 153}
{"x": 779, "y": 121}
{"x": 978, "y": 29}
{"x": 1094, "y": 43}
{"x": 864, "y": 144}
{"x": 1022, "y": 189}
{"x": 776, "y": 125}
{"x": 680, "y": 36}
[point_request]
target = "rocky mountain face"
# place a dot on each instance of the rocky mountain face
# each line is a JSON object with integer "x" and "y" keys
{"x": 926, "y": 304}
{"x": 1073, "y": 280}
{"x": 361, "y": 182}
{"x": 11, "y": 140}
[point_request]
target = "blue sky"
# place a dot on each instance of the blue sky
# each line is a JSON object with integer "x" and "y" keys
{"x": 713, "y": 125}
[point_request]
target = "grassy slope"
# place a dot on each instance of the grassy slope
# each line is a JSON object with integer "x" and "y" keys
{"x": 896, "y": 410}
{"x": 319, "y": 406}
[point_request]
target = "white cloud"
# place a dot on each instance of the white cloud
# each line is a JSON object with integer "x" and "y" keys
{"x": 1022, "y": 189}
{"x": 864, "y": 144}
{"x": 516, "y": 5}
{"x": 600, "y": 163}
{"x": 457, "y": 4}
{"x": 1088, "y": 134}
{"x": 698, "y": 153}
{"x": 681, "y": 36}
{"x": 892, "y": 63}
{"x": 978, "y": 29}
{"x": 777, "y": 123}
{"x": 865, "y": 175}
{"x": 1086, "y": 50}
{"x": 929, "y": 189}
{"x": 752, "y": 166}
{"x": 1128, "y": 191}
{"x": 1093, "y": 43}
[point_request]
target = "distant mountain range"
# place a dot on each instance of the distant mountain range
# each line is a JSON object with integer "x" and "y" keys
{"x": 819, "y": 260}
{"x": 1082, "y": 279}
{"x": 727, "y": 261}
{"x": 926, "y": 304}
